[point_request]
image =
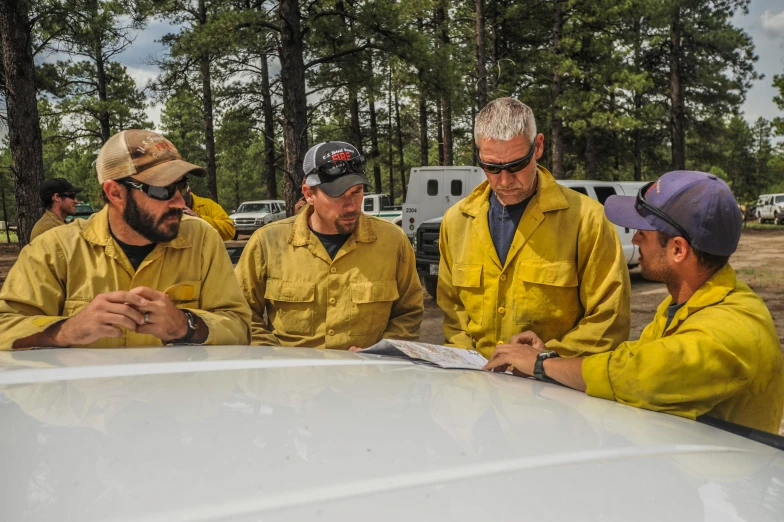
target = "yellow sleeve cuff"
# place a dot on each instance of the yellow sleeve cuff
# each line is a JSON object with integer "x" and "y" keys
{"x": 596, "y": 374}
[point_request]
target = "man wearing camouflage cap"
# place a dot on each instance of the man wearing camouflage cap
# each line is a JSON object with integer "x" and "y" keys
{"x": 137, "y": 273}
{"x": 712, "y": 348}
{"x": 330, "y": 276}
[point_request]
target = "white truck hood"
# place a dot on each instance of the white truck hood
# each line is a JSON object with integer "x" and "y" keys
{"x": 249, "y": 215}
{"x": 282, "y": 434}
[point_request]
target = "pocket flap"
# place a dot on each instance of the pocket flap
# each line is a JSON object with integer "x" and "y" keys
{"x": 374, "y": 291}
{"x": 556, "y": 273}
{"x": 469, "y": 276}
{"x": 184, "y": 292}
{"x": 290, "y": 291}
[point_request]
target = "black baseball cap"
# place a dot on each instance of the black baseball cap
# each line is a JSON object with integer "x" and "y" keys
{"x": 53, "y": 186}
{"x": 334, "y": 167}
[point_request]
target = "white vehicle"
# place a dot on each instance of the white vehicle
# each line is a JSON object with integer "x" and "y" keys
{"x": 770, "y": 207}
{"x": 239, "y": 433}
{"x": 252, "y": 215}
{"x": 379, "y": 205}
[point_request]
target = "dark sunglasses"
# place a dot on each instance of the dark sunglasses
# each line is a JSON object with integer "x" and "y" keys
{"x": 642, "y": 204}
{"x": 512, "y": 166}
{"x": 336, "y": 168}
{"x": 159, "y": 193}
{"x": 69, "y": 195}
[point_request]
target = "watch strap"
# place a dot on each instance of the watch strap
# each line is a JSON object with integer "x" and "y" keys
{"x": 192, "y": 323}
{"x": 539, "y": 373}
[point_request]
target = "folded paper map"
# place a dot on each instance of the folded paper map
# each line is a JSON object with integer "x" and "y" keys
{"x": 442, "y": 356}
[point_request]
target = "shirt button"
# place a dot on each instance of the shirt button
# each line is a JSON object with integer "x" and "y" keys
{"x": 333, "y": 270}
{"x": 332, "y": 300}
{"x": 331, "y": 332}
{"x": 502, "y": 310}
{"x": 503, "y": 277}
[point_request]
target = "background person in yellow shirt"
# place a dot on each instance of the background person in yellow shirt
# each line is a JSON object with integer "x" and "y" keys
{"x": 712, "y": 348}
{"x": 136, "y": 273}
{"x": 59, "y": 198}
{"x": 331, "y": 276}
{"x": 209, "y": 211}
{"x": 524, "y": 253}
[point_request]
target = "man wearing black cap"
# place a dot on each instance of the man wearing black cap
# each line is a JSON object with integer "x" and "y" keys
{"x": 59, "y": 198}
{"x": 331, "y": 277}
{"x": 712, "y": 348}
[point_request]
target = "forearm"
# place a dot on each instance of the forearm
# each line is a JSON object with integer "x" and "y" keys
{"x": 50, "y": 337}
{"x": 568, "y": 372}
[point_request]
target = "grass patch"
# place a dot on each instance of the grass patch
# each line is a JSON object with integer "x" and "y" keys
{"x": 761, "y": 277}
{"x": 767, "y": 227}
{"x": 4, "y": 237}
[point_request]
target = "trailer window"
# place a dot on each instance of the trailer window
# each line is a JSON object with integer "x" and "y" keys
{"x": 432, "y": 187}
{"x": 602, "y": 193}
{"x": 456, "y": 188}
{"x": 581, "y": 190}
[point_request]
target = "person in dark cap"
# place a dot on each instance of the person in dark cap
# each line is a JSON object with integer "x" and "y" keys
{"x": 331, "y": 276}
{"x": 712, "y": 348}
{"x": 59, "y": 198}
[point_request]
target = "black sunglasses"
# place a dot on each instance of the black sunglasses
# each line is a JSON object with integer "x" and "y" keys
{"x": 69, "y": 195}
{"x": 512, "y": 166}
{"x": 642, "y": 204}
{"x": 159, "y": 193}
{"x": 338, "y": 167}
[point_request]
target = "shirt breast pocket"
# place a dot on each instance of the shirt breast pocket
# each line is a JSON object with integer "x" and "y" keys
{"x": 547, "y": 293}
{"x": 467, "y": 278}
{"x": 290, "y": 306}
{"x": 371, "y": 304}
{"x": 186, "y": 294}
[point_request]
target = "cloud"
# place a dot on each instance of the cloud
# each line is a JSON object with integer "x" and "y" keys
{"x": 773, "y": 24}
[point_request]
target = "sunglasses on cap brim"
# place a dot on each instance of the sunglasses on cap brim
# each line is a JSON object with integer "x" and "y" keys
{"x": 512, "y": 166}
{"x": 642, "y": 204}
{"x": 336, "y": 168}
{"x": 159, "y": 193}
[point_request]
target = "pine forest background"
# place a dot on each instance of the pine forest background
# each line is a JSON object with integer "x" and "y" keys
{"x": 621, "y": 89}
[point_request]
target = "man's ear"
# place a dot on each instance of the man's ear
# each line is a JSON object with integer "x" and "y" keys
{"x": 679, "y": 249}
{"x": 115, "y": 193}
{"x": 308, "y": 193}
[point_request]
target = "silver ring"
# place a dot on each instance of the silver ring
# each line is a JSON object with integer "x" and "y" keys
{"x": 146, "y": 317}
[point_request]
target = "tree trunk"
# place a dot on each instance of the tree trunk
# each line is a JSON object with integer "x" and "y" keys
{"x": 481, "y": 70}
{"x": 424, "y": 145}
{"x": 389, "y": 140}
{"x": 442, "y": 18}
{"x": 269, "y": 178}
{"x": 677, "y": 130}
{"x": 209, "y": 124}
{"x": 440, "y": 134}
{"x": 373, "y": 128}
{"x": 295, "y": 104}
{"x": 24, "y": 134}
{"x": 356, "y": 129}
{"x": 103, "y": 115}
{"x": 474, "y": 150}
{"x": 448, "y": 156}
{"x": 400, "y": 149}
{"x": 556, "y": 128}
{"x": 590, "y": 154}
{"x": 637, "y": 134}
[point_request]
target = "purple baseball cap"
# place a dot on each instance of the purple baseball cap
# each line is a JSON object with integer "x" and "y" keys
{"x": 701, "y": 204}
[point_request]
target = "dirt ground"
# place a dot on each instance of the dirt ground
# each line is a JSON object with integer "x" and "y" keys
{"x": 759, "y": 262}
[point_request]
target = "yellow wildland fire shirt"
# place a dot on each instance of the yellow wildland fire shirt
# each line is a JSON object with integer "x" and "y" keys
{"x": 565, "y": 277}
{"x": 57, "y": 275}
{"x": 719, "y": 357}
{"x": 214, "y": 214}
{"x": 48, "y": 221}
{"x": 369, "y": 292}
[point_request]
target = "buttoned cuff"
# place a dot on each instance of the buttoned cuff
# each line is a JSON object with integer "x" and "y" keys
{"x": 596, "y": 374}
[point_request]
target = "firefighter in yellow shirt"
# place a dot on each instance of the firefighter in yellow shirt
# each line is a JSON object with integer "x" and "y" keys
{"x": 524, "y": 253}
{"x": 60, "y": 198}
{"x": 136, "y": 273}
{"x": 712, "y": 348}
{"x": 209, "y": 211}
{"x": 330, "y": 276}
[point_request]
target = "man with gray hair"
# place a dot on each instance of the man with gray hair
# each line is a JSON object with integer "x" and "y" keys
{"x": 524, "y": 253}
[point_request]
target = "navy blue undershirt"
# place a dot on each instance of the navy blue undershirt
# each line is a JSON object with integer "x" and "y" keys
{"x": 332, "y": 242}
{"x": 671, "y": 311}
{"x": 503, "y": 222}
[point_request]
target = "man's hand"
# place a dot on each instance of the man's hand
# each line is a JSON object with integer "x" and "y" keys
{"x": 190, "y": 212}
{"x": 164, "y": 320}
{"x": 520, "y": 355}
{"x": 354, "y": 349}
{"x": 102, "y": 318}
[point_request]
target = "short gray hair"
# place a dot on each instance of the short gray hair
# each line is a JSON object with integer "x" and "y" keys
{"x": 504, "y": 118}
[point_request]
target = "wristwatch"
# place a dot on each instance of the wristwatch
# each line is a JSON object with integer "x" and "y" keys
{"x": 539, "y": 374}
{"x": 192, "y": 323}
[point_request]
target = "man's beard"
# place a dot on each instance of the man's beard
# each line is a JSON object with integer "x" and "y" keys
{"x": 147, "y": 226}
{"x": 660, "y": 274}
{"x": 346, "y": 229}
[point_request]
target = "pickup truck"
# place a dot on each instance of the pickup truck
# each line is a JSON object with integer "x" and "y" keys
{"x": 252, "y": 215}
{"x": 379, "y": 205}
